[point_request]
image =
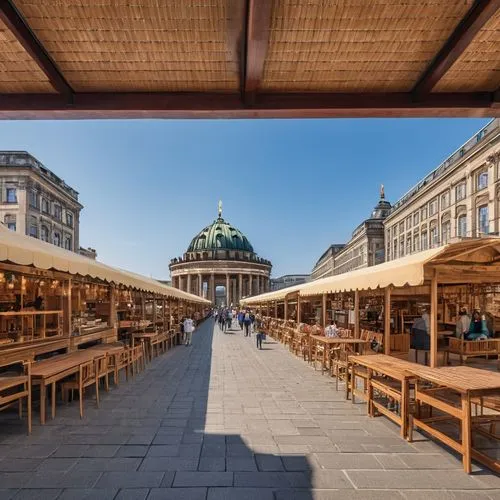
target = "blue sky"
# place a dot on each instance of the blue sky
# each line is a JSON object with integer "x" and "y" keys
{"x": 292, "y": 186}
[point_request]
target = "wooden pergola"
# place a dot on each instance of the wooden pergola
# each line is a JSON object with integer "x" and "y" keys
{"x": 249, "y": 58}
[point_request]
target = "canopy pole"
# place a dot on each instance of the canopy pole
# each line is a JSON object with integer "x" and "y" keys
{"x": 286, "y": 309}
{"x": 356, "y": 314}
{"x": 298, "y": 310}
{"x": 275, "y": 309}
{"x": 323, "y": 309}
{"x": 387, "y": 320}
{"x": 433, "y": 320}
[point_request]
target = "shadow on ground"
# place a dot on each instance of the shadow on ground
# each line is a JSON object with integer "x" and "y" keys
{"x": 162, "y": 435}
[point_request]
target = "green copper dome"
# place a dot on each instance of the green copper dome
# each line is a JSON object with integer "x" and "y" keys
{"x": 220, "y": 235}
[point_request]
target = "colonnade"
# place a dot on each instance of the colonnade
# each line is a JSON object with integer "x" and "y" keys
{"x": 237, "y": 285}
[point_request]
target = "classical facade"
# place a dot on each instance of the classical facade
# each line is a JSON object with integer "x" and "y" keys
{"x": 221, "y": 257}
{"x": 459, "y": 199}
{"x": 325, "y": 264}
{"x": 36, "y": 202}
{"x": 364, "y": 249}
{"x": 289, "y": 280}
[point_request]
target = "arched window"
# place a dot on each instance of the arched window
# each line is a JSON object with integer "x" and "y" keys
{"x": 44, "y": 233}
{"x": 445, "y": 232}
{"x": 482, "y": 180}
{"x": 483, "y": 220}
{"x": 462, "y": 226}
{"x": 57, "y": 239}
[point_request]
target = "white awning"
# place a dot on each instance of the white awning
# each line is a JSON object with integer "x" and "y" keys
{"x": 24, "y": 250}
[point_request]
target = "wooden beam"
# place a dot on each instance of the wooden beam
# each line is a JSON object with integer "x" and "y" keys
{"x": 257, "y": 40}
{"x": 387, "y": 320}
{"x": 323, "y": 309}
{"x": 433, "y": 320}
{"x": 217, "y": 105}
{"x": 356, "y": 314}
{"x": 20, "y": 29}
{"x": 479, "y": 14}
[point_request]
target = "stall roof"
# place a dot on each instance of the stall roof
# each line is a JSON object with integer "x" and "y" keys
{"x": 248, "y": 58}
{"x": 24, "y": 250}
{"x": 411, "y": 270}
{"x": 276, "y": 295}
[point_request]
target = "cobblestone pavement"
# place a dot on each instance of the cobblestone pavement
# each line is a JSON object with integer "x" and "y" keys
{"x": 222, "y": 420}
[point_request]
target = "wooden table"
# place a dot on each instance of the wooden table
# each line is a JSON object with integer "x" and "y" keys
{"x": 399, "y": 371}
{"x": 52, "y": 370}
{"x": 465, "y": 383}
{"x": 329, "y": 342}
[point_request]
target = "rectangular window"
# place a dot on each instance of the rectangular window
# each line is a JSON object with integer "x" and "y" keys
{"x": 11, "y": 195}
{"x": 395, "y": 249}
{"x": 462, "y": 226}
{"x": 416, "y": 218}
{"x": 423, "y": 213}
{"x": 416, "y": 245}
{"x": 408, "y": 223}
{"x": 11, "y": 226}
{"x": 402, "y": 247}
{"x": 34, "y": 231}
{"x": 482, "y": 180}
{"x": 57, "y": 212}
{"x": 33, "y": 199}
{"x": 401, "y": 228}
{"x": 433, "y": 207}
{"x": 460, "y": 191}
{"x": 45, "y": 206}
{"x": 69, "y": 219}
{"x": 483, "y": 220}
{"x": 67, "y": 243}
{"x": 408, "y": 246}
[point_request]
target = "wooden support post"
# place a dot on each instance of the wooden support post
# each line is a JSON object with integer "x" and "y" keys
{"x": 276, "y": 309}
{"x": 356, "y": 314}
{"x": 433, "y": 320}
{"x": 323, "y": 309}
{"x": 298, "y": 309}
{"x": 285, "y": 309}
{"x": 112, "y": 306}
{"x": 67, "y": 314}
{"x": 387, "y": 320}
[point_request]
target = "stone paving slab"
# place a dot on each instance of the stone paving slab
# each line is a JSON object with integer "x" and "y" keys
{"x": 222, "y": 420}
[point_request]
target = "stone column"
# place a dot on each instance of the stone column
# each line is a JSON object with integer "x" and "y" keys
{"x": 240, "y": 287}
{"x": 200, "y": 285}
{"x": 180, "y": 280}
{"x": 188, "y": 289}
{"x": 258, "y": 284}
{"x": 228, "y": 293}
{"x": 250, "y": 284}
{"x": 212, "y": 288}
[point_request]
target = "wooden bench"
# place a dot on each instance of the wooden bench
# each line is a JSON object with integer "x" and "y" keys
{"x": 14, "y": 388}
{"x": 474, "y": 348}
{"x": 451, "y": 391}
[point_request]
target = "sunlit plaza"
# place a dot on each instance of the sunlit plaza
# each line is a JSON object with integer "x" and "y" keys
{"x": 249, "y": 249}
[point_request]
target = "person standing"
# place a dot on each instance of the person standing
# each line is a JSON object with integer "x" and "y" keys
{"x": 241, "y": 315}
{"x": 188, "y": 330}
{"x": 463, "y": 323}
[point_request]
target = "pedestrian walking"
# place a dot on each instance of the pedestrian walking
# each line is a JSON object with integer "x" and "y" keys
{"x": 229, "y": 319}
{"x": 257, "y": 325}
{"x": 247, "y": 323}
{"x": 188, "y": 330}
{"x": 241, "y": 315}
